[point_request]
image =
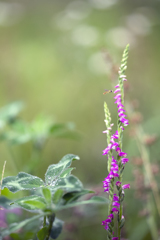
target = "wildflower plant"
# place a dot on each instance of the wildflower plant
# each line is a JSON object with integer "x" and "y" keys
{"x": 116, "y": 164}
{"x": 60, "y": 190}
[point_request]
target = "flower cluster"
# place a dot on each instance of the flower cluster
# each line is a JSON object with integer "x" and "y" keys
{"x": 115, "y": 145}
{"x": 113, "y": 173}
{"x": 120, "y": 106}
{"x": 107, "y": 223}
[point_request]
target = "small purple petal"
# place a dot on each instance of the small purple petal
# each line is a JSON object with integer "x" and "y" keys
{"x": 118, "y": 149}
{"x": 120, "y": 105}
{"x": 115, "y": 198}
{"x": 118, "y": 183}
{"x": 117, "y": 90}
{"x": 116, "y": 204}
{"x": 105, "y": 131}
{"x": 121, "y": 110}
{"x": 126, "y": 186}
{"x": 117, "y": 86}
{"x": 122, "y": 154}
{"x": 115, "y": 210}
{"x": 111, "y": 216}
{"x": 124, "y": 160}
{"x": 117, "y": 96}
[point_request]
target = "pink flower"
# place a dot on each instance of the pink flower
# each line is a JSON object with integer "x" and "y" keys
{"x": 126, "y": 186}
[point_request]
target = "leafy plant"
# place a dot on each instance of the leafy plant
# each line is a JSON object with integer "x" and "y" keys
{"x": 60, "y": 190}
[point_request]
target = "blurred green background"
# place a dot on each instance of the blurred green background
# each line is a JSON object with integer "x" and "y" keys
{"x": 52, "y": 57}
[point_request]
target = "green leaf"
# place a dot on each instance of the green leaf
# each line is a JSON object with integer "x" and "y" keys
{"x": 68, "y": 184}
{"x": 47, "y": 194}
{"x": 54, "y": 171}
{"x": 36, "y": 204}
{"x": 31, "y": 203}
{"x": 42, "y": 233}
{"x": 23, "y": 181}
{"x": 66, "y": 173}
{"x": 74, "y": 195}
{"x": 57, "y": 196}
{"x": 93, "y": 200}
{"x": 16, "y": 226}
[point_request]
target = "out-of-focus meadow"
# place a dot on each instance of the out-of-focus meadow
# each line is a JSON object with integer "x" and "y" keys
{"x": 54, "y": 58}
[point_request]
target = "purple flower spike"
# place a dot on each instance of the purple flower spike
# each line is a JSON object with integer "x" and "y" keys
{"x": 126, "y": 186}
{"x": 115, "y": 238}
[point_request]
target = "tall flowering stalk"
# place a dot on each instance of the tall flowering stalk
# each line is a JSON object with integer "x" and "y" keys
{"x": 116, "y": 164}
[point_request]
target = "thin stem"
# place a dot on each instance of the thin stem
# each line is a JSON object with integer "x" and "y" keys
{"x": 44, "y": 221}
{"x": 2, "y": 176}
{"x": 51, "y": 220}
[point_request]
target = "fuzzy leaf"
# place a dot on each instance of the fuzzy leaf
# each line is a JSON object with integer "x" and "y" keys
{"x": 68, "y": 184}
{"x": 57, "y": 196}
{"x": 74, "y": 195}
{"x": 47, "y": 194}
{"x": 55, "y": 171}
{"x": 23, "y": 181}
{"x": 31, "y": 203}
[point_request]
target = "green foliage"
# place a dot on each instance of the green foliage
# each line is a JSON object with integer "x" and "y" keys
{"x": 47, "y": 194}
{"x": 60, "y": 170}
{"x": 23, "y": 181}
{"x": 59, "y": 191}
{"x": 57, "y": 196}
